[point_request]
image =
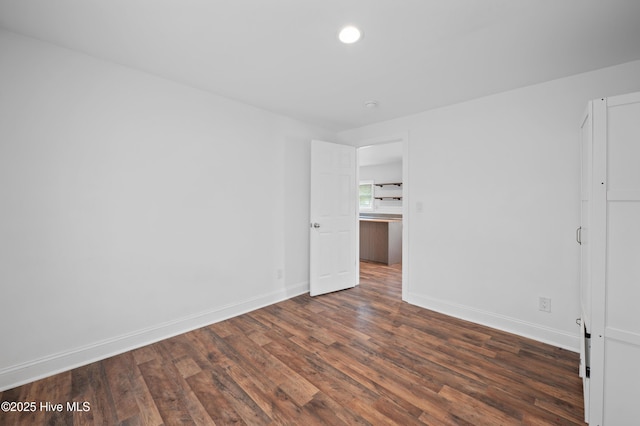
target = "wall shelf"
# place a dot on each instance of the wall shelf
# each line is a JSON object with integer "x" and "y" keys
{"x": 388, "y": 191}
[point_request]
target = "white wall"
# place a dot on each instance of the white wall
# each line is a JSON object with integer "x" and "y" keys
{"x": 134, "y": 208}
{"x": 381, "y": 173}
{"x": 498, "y": 178}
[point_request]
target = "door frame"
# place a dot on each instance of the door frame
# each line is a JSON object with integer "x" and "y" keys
{"x": 381, "y": 140}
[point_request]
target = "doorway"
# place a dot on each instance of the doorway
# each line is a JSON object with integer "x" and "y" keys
{"x": 382, "y": 237}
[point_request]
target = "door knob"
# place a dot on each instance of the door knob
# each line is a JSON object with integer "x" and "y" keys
{"x": 316, "y": 225}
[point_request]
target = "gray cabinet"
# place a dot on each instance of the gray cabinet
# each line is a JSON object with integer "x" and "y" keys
{"x": 381, "y": 240}
{"x": 610, "y": 255}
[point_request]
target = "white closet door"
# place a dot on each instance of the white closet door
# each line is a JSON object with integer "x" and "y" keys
{"x": 582, "y": 237}
{"x": 582, "y": 233}
{"x": 622, "y": 321}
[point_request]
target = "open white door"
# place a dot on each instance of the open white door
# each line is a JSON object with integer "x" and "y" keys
{"x": 333, "y": 217}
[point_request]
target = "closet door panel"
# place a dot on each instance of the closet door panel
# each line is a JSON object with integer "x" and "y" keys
{"x": 621, "y": 384}
{"x": 623, "y": 146}
{"x": 623, "y": 266}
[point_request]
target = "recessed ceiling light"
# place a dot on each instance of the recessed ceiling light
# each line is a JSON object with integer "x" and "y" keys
{"x": 371, "y": 104}
{"x": 349, "y": 34}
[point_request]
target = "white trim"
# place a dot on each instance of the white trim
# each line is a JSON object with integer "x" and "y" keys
{"x": 357, "y": 259}
{"x": 622, "y": 336}
{"x": 406, "y": 216}
{"x": 49, "y": 365}
{"x": 529, "y": 330}
{"x": 623, "y": 195}
{"x": 598, "y": 259}
{"x": 629, "y": 98}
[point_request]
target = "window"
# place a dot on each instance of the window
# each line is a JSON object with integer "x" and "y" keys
{"x": 366, "y": 195}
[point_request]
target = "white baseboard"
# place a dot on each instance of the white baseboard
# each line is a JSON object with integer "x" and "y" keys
{"x": 533, "y": 331}
{"x": 27, "y": 372}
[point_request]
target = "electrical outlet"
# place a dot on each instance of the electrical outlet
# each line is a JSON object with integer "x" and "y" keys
{"x": 544, "y": 304}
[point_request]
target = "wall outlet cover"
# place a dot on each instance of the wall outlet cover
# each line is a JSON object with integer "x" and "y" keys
{"x": 544, "y": 304}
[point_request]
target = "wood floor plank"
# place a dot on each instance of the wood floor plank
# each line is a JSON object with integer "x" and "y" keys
{"x": 399, "y": 414}
{"x": 192, "y": 404}
{"x": 360, "y": 356}
{"x": 532, "y": 415}
{"x": 149, "y": 414}
{"x": 475, "y": 411}
{"x": 240, "y": 400}
{"x": 321, "y": 373}
{"x": 368, "y": 412}
{"x": 297, "y": 387}
{"x": 102, "y": 403}
{"x": 167, "y": 397}
{"x": 248, "y": 384}
{"x": 256, "y": 379}
{"x": 118, "y": 373}
{"x": 91, "y": 417}
{"x": 332, "y": 413}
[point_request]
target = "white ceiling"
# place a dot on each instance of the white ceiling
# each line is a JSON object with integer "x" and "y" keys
{"x": 283, "y": 55}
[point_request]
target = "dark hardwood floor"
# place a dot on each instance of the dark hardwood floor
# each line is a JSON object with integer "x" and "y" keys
{"x": 359, "y": 356}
